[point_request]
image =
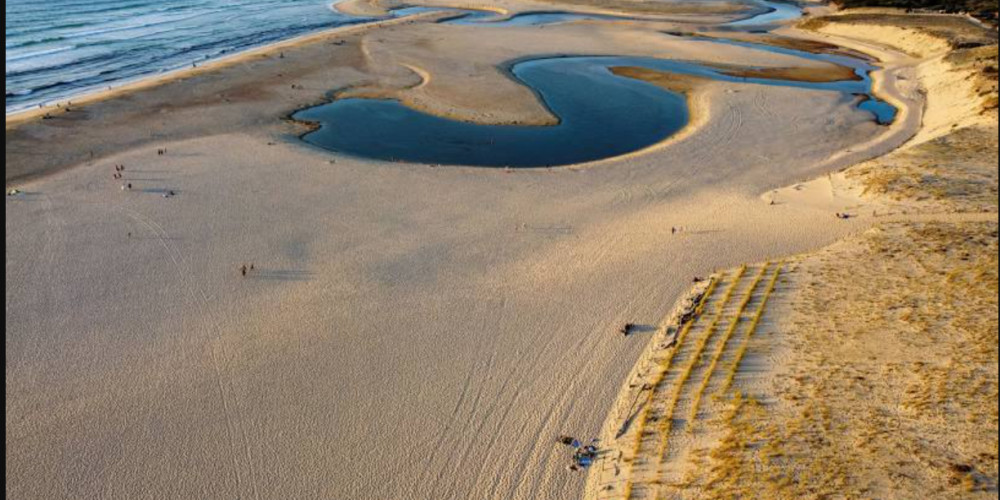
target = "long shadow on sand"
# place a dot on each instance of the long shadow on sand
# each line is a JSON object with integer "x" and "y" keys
{"x": 281, "y": 275}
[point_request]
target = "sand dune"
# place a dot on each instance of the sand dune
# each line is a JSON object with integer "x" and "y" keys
{"x": 854, "y": 371}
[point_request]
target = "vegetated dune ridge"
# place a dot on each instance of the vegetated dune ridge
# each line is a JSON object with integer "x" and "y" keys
{"x": 866, "y": 369}
{"x": 405, "y": 330}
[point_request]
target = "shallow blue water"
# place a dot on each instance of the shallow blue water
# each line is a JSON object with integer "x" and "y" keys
{"x": 58, "y": 48}
{"x": 778, "y": 12}
{"x": 883, "y": 112}
{"x": 600, "y": 116}
{"x": 775, "y": 12}
{"x": 531, "y": 18}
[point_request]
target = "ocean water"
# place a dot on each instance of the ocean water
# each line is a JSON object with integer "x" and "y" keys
{"x": 58, "y": 48}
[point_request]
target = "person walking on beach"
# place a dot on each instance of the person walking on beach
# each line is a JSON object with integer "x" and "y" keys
{"x": 243, "y": 270}
{"x": 626, "y": 329}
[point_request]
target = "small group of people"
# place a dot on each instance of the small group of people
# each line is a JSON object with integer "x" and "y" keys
{"x": 244, "y": 269}
{"x": 583, "y": 455}
{"x": 161, "y": 152}
{"x": 119, "y": 175}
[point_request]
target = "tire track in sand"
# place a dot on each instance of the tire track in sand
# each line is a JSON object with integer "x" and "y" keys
{"x": 223, "y": 382}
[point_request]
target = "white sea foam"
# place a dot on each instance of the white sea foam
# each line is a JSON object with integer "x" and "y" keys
{"x": 59, "y": 48}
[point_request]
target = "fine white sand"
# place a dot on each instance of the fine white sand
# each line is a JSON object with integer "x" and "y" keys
{"x": 407, "y": 331}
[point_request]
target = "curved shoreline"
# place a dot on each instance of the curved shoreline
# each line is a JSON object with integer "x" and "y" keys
{"x": 696, "y": 96}
{"x": 885, "y": 83}
{"x": 904, "y": 127}
{"x": 381, "y": 19}
{"x": 400, "y": 132}
{"x": 763, "y": 76}
{"x": 16, "y": 118}
{"x": 202, "y": 79}
{"x": 564, "y": 85}
{"x": 370, "y": 7}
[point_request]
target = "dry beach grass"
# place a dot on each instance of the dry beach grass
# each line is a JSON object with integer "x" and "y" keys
{"x": 873, "y": 369}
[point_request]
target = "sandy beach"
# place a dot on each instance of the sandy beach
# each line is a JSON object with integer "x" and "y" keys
{"x": 406, "y": 330}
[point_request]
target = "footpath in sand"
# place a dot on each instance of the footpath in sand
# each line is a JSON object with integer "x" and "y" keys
{"x": 867, "y": 369}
